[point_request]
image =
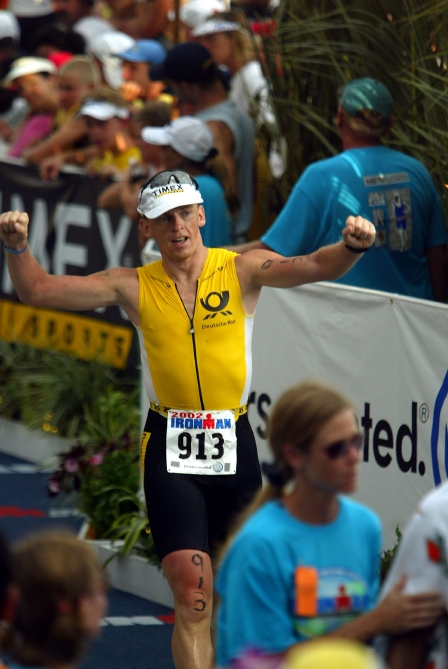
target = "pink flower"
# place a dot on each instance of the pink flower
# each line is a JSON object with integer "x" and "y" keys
{"x": 96, "y": 459}
{"x": 71, "y": 465}
{"x": 53, "y": 486}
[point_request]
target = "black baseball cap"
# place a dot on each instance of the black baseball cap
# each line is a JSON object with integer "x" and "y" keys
{"x": 189, "y": 62}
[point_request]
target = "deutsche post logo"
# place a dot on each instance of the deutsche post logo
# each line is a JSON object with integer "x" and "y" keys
{"x": 216, "y": 302}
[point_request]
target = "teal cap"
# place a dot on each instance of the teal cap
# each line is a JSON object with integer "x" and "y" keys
{"x": 367, "y": 93}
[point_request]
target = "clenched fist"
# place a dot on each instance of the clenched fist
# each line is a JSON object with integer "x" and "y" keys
{"x": 14, "y": 229}
{"x": 358, "y": 233}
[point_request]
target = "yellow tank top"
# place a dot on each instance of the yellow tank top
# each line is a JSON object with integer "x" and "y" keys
{"x": 205, "y": 362}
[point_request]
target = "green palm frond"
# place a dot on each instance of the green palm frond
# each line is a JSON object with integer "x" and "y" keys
{"x": 320, "y": 45}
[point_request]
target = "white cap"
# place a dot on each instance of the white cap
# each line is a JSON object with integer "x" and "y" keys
{"x": 9, "y": 26}
{"x": 197, "y": 11}
{"x": 29, "y": 65}
{"x": 215, "y": 26}
{"x": 157, "y": 200}
{"x": 187, "y": 135}
{"x": 105, "y": 46}
{"x": 102, "y": 110}
{"x": 28, "y": 8}
{"x": 90, "y": 27}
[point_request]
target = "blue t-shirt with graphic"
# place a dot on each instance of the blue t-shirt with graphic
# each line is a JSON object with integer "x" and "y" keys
{"x": 284, "y": 581}
{"x": 387, "y": 187}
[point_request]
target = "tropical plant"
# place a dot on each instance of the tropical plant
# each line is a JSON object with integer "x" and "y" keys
{"x": 319, "y": 46}
{"x": 130, "y": 531}
{"x": 104, "y": 456}
{"x": 53, "y": 391}
{"x": 86, "y": 402}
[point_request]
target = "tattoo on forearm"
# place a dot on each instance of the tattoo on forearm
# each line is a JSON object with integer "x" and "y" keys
{"x": 267, "y": 264}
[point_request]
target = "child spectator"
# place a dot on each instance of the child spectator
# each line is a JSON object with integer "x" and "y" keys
{"x": 124, "y": 194}
{"x": 111, "y": 150}
{"x": 35, "y": 81}
{"x": 76, "y": 79}
{"x": 62, "y": 600}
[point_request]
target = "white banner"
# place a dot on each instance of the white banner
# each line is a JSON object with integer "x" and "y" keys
{"x": 389, "y": 355}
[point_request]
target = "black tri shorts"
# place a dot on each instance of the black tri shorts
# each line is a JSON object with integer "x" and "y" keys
{"x": 192, "y": 511}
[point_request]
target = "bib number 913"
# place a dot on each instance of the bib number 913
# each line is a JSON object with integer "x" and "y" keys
{"x": 185, "y": 444}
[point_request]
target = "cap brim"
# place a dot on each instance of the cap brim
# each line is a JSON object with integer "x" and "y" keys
{"x": 103, "y": 111}
{"x": 159, "y": 136}
{"x": 172, "y": 201}
{"x": 23, "y": 71}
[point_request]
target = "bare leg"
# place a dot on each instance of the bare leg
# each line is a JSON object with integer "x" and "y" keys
{"x": 189, "y": 573}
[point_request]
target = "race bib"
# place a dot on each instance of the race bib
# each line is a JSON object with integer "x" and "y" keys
{"x": 201, "y": 442}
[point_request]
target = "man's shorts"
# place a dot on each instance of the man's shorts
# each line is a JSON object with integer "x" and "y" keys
{"x": 191, "y": 511}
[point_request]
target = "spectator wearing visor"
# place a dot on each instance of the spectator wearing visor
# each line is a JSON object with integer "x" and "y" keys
{"x": 111, "y": 149}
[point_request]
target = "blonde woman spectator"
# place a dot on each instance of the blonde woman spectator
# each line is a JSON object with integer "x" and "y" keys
{"x": 76, "y": 79}
{"x": 228, "y": 38}
{"x": 305, "y": 564}
{"x": 195, "y": 12}
{"x": 61, "y": 604}
{"x": 231, "y": 45}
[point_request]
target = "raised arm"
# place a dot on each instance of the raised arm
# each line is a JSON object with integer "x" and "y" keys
{"x": 36, "y": 287}
{"x": 265, "y": 268}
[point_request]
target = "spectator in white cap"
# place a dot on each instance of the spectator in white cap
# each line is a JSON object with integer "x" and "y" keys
{"x": 188, "y": 145}
{"x": 111, "y": 150}
{"x": 136, "y": 63}
{"x": 104, "y": 48}
{"x": 34, "y": 80}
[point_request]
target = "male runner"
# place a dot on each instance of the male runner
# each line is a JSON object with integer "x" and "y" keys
{"x": 193, "y": 311}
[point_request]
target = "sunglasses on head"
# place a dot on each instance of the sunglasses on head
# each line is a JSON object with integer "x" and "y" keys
{"x": 338, "y": 448}
{"x": 171, "y": 176}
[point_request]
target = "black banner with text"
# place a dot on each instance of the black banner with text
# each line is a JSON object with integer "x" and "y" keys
{"x": 68, "y": 234}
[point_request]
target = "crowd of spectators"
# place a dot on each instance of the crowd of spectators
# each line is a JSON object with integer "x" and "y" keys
{"x": 80, "y": 79}
{"x": 206, "y": 63}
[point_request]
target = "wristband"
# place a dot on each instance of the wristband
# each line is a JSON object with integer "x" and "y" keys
{"x": 13, "y": 251}
{"x": 353, "y": 250}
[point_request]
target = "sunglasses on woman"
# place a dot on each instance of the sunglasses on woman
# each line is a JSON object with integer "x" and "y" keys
{"x": 338, "y": 448}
